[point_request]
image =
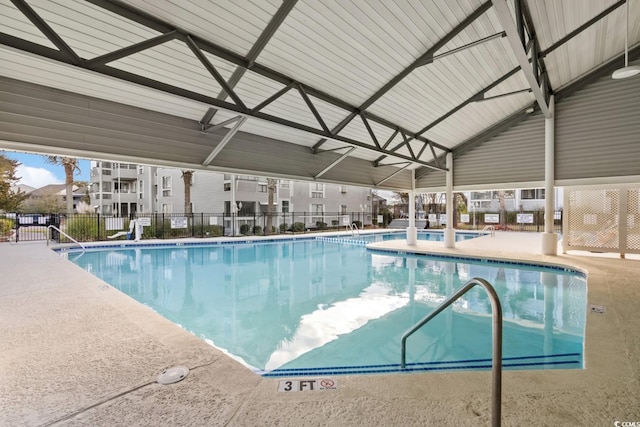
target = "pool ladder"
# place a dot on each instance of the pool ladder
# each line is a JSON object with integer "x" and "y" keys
{"x": 354, "y": 228}
{"x": 496, "y": 309}
{"x": 490, "y": 229}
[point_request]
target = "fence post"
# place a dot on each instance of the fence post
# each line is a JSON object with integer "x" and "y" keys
{"x": 17, "y": 227}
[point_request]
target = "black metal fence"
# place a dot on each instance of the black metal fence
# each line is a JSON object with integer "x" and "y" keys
{"x": 97, "y": 227}
{"x": 512, "y": 221}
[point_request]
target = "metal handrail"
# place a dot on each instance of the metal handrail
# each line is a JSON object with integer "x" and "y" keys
{"x": 66, "y": 235}
{"x": 496, "y": 309}
{"x": 489, "y": 228}
{"x": 353, "y": 227}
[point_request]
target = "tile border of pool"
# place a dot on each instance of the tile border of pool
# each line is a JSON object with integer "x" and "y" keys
{"x": 271, "y": 239}
{"x": 394, "y": 368}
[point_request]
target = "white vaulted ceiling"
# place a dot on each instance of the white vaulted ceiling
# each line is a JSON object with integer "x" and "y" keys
{"x": 403, "y": 81}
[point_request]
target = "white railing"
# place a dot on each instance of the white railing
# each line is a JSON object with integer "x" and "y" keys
{"x": 66, "y": 235}
{"x": 496, "y": 334}
{"x": 489, "y": 229}
{"x": 354, "y": 229}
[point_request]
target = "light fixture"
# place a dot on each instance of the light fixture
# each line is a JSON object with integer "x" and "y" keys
{"x": 628, "y": 70}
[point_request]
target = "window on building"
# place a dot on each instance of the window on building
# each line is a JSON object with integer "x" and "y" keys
{"x": 262, "y": 188}
{"x": 532, "y": 193}
{"x": 318, "y": 210}
{"x": 317, "y": 190}
{"x": 166, "y": 186}
{"x": 343, "y": 189}
{"x": 106, "y": 187}
{"x": 285, "y": 206}
{"x": 227, "y": 186}
{"x": 481, "y": 195}
{"x": 343, "y": 209}
{"x": 507, "y": 194}
{"x": 166, "y": 208}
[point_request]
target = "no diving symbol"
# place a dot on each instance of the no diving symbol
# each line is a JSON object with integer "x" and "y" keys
{"x": 327, "y": 383}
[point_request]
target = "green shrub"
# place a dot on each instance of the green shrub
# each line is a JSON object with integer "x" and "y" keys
{"x": 257, "y": 230}
{"x": 358, "y": 224}
{"x": 83, "y": 229}
{"x": 297, "y": 227}
{"x": 214, "y": 230}
{"x": 321, "y": 225}
{"x": 244, "y": 229}
{"x": 284, "y": 227}
{"x": 6, "y": 225}
{"x": 334, "y": 222}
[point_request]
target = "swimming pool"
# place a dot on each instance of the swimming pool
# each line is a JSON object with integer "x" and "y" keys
{"x": 308, "y": 307}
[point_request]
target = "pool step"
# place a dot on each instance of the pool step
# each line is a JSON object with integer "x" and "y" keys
{"x": 342, "y": 240}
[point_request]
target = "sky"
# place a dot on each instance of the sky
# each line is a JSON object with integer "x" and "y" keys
{"x": 35, "y": 172}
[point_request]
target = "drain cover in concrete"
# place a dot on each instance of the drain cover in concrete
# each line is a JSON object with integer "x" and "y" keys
{"x": 173, "y": 375}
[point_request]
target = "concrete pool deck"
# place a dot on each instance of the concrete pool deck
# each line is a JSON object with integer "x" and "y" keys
{"x": 75, "y": 351}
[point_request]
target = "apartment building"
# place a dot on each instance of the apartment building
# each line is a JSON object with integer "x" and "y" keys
{"x": 527, "y": 200}
{"x": 124, "y": 189}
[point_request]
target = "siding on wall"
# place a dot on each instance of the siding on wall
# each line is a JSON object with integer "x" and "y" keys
{"x": 597, "y": 137}
{"x": 598, "y": 131}
{"x": 516, "y": 155}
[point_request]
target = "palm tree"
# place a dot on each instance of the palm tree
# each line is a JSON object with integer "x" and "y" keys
{"x": 70, "y": 165}
{"x": 271, "y": 188}
{"x": 187, "y": 177}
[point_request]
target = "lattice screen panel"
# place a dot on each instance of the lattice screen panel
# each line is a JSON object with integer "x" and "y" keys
{"x": 633, "y": 220}
{"x": 592, "y": 219}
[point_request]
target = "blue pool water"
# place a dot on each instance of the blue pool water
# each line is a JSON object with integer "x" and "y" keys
{"x": 309, "y": 307}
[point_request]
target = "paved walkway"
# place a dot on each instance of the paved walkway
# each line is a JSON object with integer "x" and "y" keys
{"x": 75, "y": 351}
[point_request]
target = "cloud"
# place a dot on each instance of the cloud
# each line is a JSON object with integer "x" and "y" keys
{"x": 36, "y": 177}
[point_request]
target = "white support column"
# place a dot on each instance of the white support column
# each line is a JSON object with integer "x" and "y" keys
{"x": 549, "y": 238}
{"x": 412, "y": 231}
{"x": 449, "y": 232}
{"x": 233, "y": 207}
